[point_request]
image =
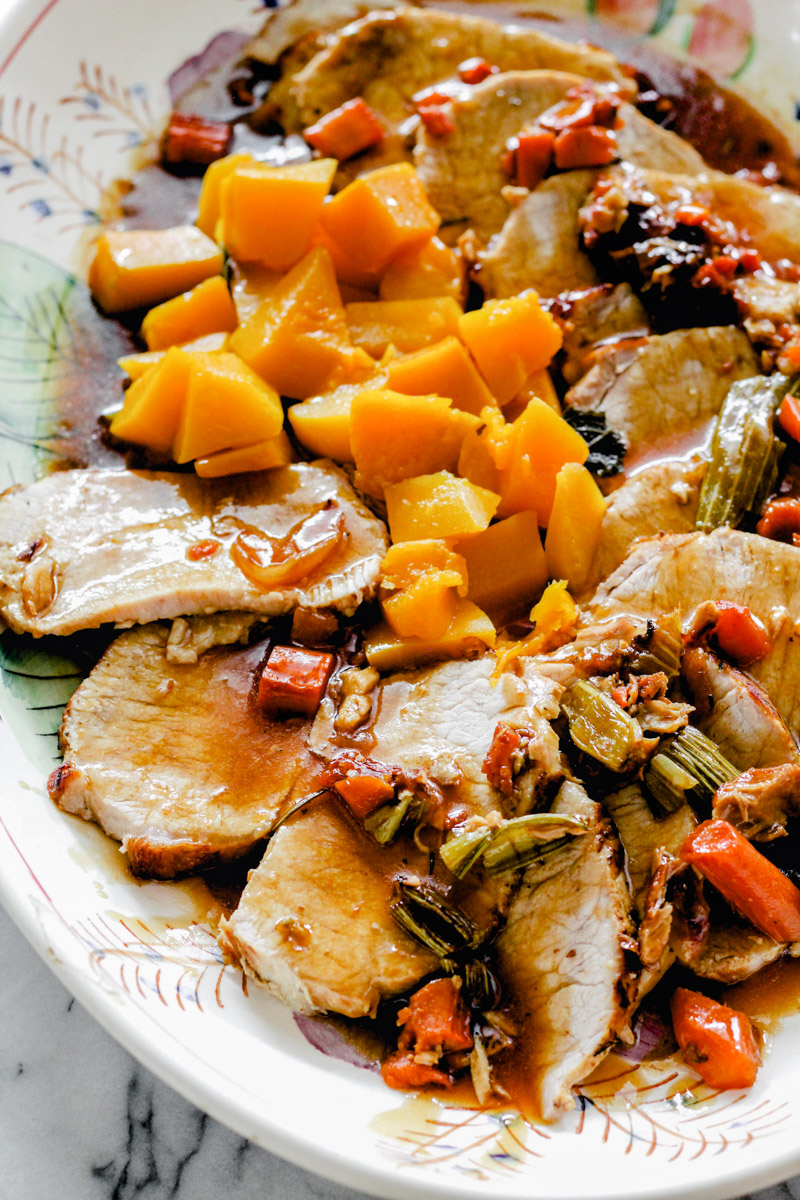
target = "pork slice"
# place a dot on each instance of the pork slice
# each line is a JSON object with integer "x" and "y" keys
{"x": 667, "y": 386}
{"x": 301, "y": 26}
{"x": 643, "y": 835}
{"x": 682, "y": 570}
{"x": 736, "y": 712}
{"x": 463, "y": 172}
{"x": 563, "y": 958}
{"x": 729, "y": 953}
{"x": 659, "y": 498}
{"x": 329, "y": 878}
{"x": 173, "y": 760}
{"x": 82, "y": 548}
{"x": 761, "y": 801}
{"x": 388, "y": 57}
{"x": 591, "y": 318}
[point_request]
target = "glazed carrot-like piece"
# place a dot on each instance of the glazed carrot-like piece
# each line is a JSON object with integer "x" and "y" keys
{"x": 739, "y": 633}
{"x": 400, "y": 1071}
{"x": 346, "y": 130}
{"x": 436, "y": 1019}
{"x": 718, "y": 1041}
{"x": 789, "y": 415}
{"x": 585, "y": 146}
{"x": 532, "y": 156}
{"x": 194, "y": 140}
{"x": 475, "y": 70}
{"x": 748, "y": 881}
{"x": 294, "y": 680}
{"x": 364, "y": 793}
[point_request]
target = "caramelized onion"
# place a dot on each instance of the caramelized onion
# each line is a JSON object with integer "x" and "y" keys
{"x": 270, "y": 562}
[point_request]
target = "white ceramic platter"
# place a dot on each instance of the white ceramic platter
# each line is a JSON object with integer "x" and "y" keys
{"x": 83, "y": 83}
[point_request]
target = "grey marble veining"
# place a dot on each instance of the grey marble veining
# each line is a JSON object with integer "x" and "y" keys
{"x": 81, "y": 1120}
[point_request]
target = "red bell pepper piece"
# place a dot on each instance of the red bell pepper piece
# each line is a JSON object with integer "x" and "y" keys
{"x": 436, "y": 1019}
{"x": 190, "y": 139}
{"x": 585, "y": 146}
{"x": 533, "y": 155}
{"x": 294, "y": 680}
{"x": 750, "y": 883}
{"x": 475, "y": 70}
{"x": 346, "y": 131}
{"x": 789, "y": 416}
{"x": 718, "y": 1041}
{"x": 400, "y": 1071}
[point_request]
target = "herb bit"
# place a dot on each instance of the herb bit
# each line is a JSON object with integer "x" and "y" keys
{"x": 606, "y": 447}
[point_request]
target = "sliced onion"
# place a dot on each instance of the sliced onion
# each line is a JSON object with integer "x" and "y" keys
{"x": 268, "y": 562}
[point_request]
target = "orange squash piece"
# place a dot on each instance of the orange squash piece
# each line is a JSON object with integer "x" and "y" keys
{"x": 407, "y": 325}
{"x": 215, "y": 176}
{"x": 263, "y": 456}
{"x": 444, "y": 369}
{"x": 298, "y": 338}
{"x": 430, "y": 269}
{"x": 207, "y": 308}
{"x": 251, "y": 285}
{"x": 469, "y": 633}
{"x": 154, "y": 403}
{"x": 509, "y": 340}
{"x": 347, "y": 271}
{"x": 439, "y": 505}
{"x": 135, "y": 365}
{"x": 540, "y": 442}
{"x": 539, "y": 385}
{"x": 506, "y": 567}
{"x": 573, "y": 532}
{"x": 136, "y": 268}
{"x": 268, "y": 214}
{"x": 380, "y": 214}
{"x": 394, "y": 437}
{"x": 227, "y": 406}
{"x": 420, "y": 584}
{"x": 322, "y": 423}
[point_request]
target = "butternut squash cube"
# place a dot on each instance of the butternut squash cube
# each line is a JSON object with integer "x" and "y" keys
{"x": 438, "y": 506}
{"x": 575, "y": 524}
{"x": 251, "y": 285}
{"x": 380, "y": 214}
{"x": 227, "y": 406}
{"x": 154, "y": 403}
{"x": 429, "y": 269}
{"x": 207, "y": 308}
{"x": 322, "y": 423}
{"x": 215, "y": 176}
{"x": 468, "y": 635}
{"x": 506, "y": 567}
{"x": 394, "y": 437}
{"x": 539, "y": 385}
{"x": 298, "y": 339}
{"x": 477, "y": 463}
{"x": 419, "y": 587}
{"x": 509, "y": 340}
{"x": 444, "y": 369}
{"x": 135, "y": 365}
{"x": 268, "y": 214}
{"x": 136, "y": 268}
{"x": 263, "y": 456}
{"x": 346, "y": 270}
{"x": 539, "y": 445}
{"x": 407, "y": 325}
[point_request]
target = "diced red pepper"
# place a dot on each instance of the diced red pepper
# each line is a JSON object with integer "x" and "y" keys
{"x": 739, "y": 634}
{"x": 207, "y": 548}
{"x": 781, "y": 521}
{"x": 718, "y": 1041}
{"x": 346, "y": 130}
{"x": 190, "y": 139}
{"x": 582, "y": 106}
{"x": 691, "y": 214}
{"x": 437, "y": 121}
{"x": 789, "y": 415}
{"x": 749, "y": 260}
{"x": 532, "y": 152}
{"x": 436, "y": 1019}
{"x": 294, "y": 680}
{"x": 475, "y": 70}
{"x": 498, "y": 766}
{"x": 364, "y": 793}
{"x": 401, "y": 1072}
{"x": 586, "y": 146}
{"x": 750, "y": 883}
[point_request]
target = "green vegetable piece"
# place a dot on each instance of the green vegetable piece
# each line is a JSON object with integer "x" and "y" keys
{"x": 599, "y": 727}
{"x": 435, "y": 923}
{"x": 480, "y": 986}
{"x": 384, "y": 824}
{"x": 460, "y": 852}
{"x": 524, "y": 840}
{"x": 701, "y": 759}
{"x": 667, "y": 785}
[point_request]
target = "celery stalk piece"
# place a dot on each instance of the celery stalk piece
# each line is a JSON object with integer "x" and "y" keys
{"x": 599, "y": 727}
{"x": 432, "y": 921}
{"x": 660, "y": 647}
{"x": 667, "y": 784}
{"x": 700, "y": 758}
{"x": 460, "y": 852}
{"x": 524, "y": 840}
{"x": 744, "y": 453}
{"x": 384, "y": 824}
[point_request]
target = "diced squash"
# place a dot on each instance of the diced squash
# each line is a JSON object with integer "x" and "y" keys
{"x": 263, "y": 456}
{"x": 268, "y": 214}
{"x": 346, "y": 270}
{"x": 394, "y": 437}
{"x": 539, "y": 444}
{"x": 470, "y": 632}
{"x": 322, "y": 423}
{"x": 251, "y": 285}
{"x": 136, "y": 268}
{"x": 207, "y": 308}
{"x": 227, "y": 406}
{"x": 444, "y": 369}
{"x": 298, "y": 339}
{"x": 153, "y": 404}
{"x": 573, "y": 533}
{"x": 407, "y": 325}
{"x": 135, "y": 365}
{"x": 419, "y": 588}
{"x": 438, "y": 506}
{"x": 506, "y": 567}
{"x": 430, "y": 269}
{"x": 539, "y": 385}
{"x": 554, "y": 618}
{"x": 216, "y": 174}
{"x": 509, "y": 340}
{"x": 380, "y": 214}
{"x": 476, "y": 462}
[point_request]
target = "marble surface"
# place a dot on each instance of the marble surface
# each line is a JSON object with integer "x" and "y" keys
{"x": 81, "y": 1120}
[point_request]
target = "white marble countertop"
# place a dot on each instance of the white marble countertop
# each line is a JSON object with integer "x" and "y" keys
{"x": 81, "y": 1120}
